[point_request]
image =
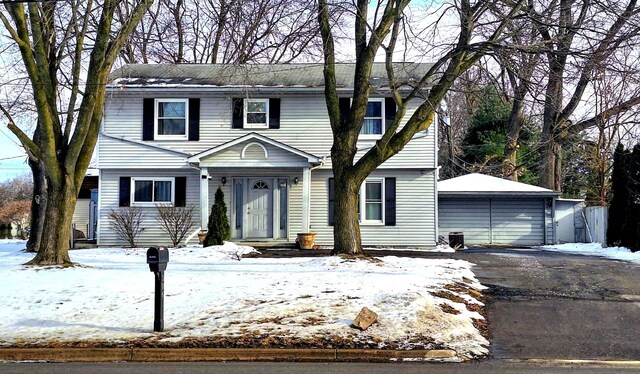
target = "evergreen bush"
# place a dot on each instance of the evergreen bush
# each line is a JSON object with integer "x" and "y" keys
{"x": 620, "y": 196}
{"x": 218, "y": 228}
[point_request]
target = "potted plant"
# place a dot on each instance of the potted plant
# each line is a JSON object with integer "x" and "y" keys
{"x": 306, "y": 240}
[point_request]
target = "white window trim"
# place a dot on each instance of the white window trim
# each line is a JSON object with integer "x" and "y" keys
{"x": 363, "y": 204}
{"x": 186, "y": 119}
{"x": 153, "y": 179}
{"x": 383, "y": 126}
{"x": 255, "y": 125}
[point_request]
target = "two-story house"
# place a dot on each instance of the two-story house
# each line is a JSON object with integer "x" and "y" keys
{"x": 174, "y": 133}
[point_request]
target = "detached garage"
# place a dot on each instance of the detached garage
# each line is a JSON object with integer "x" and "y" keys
{"x": 490, "y": 210}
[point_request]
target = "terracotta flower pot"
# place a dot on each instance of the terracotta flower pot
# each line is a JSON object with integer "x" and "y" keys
{"x": 201, "y": 236}
{"x": 306, "y": 240}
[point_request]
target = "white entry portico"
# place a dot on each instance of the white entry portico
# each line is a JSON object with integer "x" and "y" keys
{"x": 260, "y": 176}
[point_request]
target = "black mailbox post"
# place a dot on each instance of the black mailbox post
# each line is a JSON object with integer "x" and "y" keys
{"x": 158, "y": 258}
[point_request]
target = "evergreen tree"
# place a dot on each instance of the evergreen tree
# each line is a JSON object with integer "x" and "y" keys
{"x": 219, "y": 229}
{"x": 631, "y": 220}
{"x": 484, "y": 142}
{"x": 620, "y": 199}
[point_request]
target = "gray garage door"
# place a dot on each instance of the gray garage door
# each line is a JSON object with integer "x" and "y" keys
{"x": 493, "y": 221}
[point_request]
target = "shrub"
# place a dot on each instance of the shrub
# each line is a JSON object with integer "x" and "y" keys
{"x": 218, "y": 229}
{"x": 175, "y": 221}
{"x": 127, "y": 222}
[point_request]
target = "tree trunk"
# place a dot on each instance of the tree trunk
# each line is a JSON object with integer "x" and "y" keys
{"x": 54, "y": 246}
{"x": 551, "y": 163}
{"x": 514, "y": 125}
{"x": 38, "y": 205}
{"x": 346, "y": 229}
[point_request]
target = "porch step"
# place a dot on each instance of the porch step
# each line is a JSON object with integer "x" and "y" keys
{"x": 268, "y": 244}
{"x": 84, "y": 244}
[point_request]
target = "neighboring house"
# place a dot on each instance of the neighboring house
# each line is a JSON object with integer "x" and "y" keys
{"x": 490, "y": 210}
{"x": 85, "y": 217}
{"x": 174, "y": 133}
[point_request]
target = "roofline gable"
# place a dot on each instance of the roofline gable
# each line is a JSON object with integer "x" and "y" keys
{"x": 254, "y": 136}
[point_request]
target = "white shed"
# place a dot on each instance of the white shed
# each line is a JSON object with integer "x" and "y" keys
{"x": 490, "y": 210}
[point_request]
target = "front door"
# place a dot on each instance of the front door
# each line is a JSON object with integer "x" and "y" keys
{"x": 259, "y": 208}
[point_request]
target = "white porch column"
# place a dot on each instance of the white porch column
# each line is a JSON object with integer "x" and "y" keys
{"x": 306, "y": 199}
{"x": 204, "y": 198}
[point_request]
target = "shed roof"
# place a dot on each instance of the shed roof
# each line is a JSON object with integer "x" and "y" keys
{"x": 257, "y": 75}
{"x": 480, "y": 184}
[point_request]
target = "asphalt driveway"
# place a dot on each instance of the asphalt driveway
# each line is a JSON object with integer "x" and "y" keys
{"x": 559, "y": 306}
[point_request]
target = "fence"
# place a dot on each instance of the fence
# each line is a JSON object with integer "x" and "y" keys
{"x": 596, "y": 219}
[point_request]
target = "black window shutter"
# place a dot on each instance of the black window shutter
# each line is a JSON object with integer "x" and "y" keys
{"x": 332, "y": 196}
{"x": 389, "y": 112}
{"x": 238, "y": 113}
{"x": 148, "y": 114}
{"x": 125, "y": 191}
{"x": 390, "y": 201}
{"x": 181, "y": 191}
{"x": 345, "y": 107}
{"x": 274, "y": 113}
{"x": 194, "y": 119}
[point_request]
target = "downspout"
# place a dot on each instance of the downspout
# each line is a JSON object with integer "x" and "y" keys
{"x": 308, "y": 212}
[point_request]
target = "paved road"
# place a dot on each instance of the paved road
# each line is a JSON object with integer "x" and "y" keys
{"x": 494, "y": 366}
{"x": 560, "y": 306}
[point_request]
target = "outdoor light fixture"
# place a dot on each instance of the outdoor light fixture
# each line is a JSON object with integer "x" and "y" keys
{"x": 295, "y": 180}
{"x": 224, "y": 180}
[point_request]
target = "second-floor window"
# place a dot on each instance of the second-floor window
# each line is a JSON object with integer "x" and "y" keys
{"x": 373, "y": 124}
{"x": 171, "y": 118}
{"x": 149, "y": 191}
{"x": 256, "y": 113}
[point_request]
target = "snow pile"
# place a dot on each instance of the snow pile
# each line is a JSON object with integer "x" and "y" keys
{"x": 208, "y": 294}
{"x": 595, "y": 249}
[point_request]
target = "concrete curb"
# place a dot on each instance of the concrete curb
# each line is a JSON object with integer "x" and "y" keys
{"x": 217, "y": 354}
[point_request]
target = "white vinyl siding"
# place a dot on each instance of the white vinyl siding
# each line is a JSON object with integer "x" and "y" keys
{"x": 152, "y": 234}
{"x": 415, "y": 211}
{"x": 81, "y": 215}
{"x": 304, "y": 124}
{"x": 254, "y": 156}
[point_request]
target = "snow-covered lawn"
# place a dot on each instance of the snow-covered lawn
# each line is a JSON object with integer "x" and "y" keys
{"x": 210, "y": 296}
{"x": 595, "y": 249}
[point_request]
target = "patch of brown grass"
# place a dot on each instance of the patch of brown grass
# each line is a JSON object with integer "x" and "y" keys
{"x": 449, "y": 309}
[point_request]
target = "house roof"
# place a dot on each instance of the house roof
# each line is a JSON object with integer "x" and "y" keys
{"x": 256, "y": 75}
{"x": 480, "y": 184}
{"x": 254, "y": 136}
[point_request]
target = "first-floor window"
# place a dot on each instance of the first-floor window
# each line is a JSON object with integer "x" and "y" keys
{"x": 371, "y": 201}
{"x": 152, "y": 190}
